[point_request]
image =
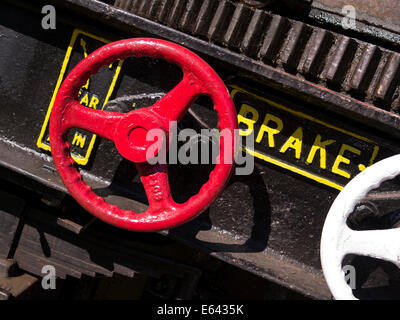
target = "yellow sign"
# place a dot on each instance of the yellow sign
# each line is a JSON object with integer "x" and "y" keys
{"x": 94, "y": 94}
{"x": 301, "y": 143}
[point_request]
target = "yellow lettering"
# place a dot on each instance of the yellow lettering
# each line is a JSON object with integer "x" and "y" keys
{"x": 94, "y": 102}
{"x": 79, "y": 140}
{"x": 340, "y": 159}
{"x": 295, "y": 142}
{"x": 374, "y": 154}
{"x": 361, "y": 167}
{"x": 245, "y": 110}
{"x": 271, "y": 131}
{"x": 86, "y": 86}
{"x": 319, "y": 145}
{"x": 83, "y": 45}
{"x": 85, "y": 100}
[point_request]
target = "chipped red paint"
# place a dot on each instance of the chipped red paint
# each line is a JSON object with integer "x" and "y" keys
{"x": 198, "y": 79}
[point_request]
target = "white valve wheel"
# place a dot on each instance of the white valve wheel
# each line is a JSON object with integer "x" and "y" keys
{"x": 338, "y": 239}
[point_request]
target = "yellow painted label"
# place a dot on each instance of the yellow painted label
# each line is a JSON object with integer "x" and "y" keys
{"x": 82, "y": 142}
{"x": 301, "y": 143}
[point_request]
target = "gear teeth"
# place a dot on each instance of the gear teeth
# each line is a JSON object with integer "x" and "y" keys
{"x": 153, "y": 9}
{"x": 389, "y": 79}
{"x": 237, "y": 27}
{"x": 175, "y": 13}
{"x": 316, "y": 52}
{"x": 118, "y": 3}
{"x": 135, "y": 6}
{"x": 340, "y": 62}
{"x": 295, "y": 46}
{"x": 255, "y": 31}
{"x": 189, "y": 16}
{"x": 273, "y": 39}
{"x": 142, "y": 6}
{"x": 163, "y": 14}
{"x": 204, "y": 17}
{"x": 365, "y": 70}
{"x": 356, "y": 68}
{"x": 123, "y": 4}
{"x": 220, "y": 22}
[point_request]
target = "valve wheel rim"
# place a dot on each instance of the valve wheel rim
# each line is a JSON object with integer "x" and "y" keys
{"x": 338, "y": 239}
{"x": 198, "y": 79}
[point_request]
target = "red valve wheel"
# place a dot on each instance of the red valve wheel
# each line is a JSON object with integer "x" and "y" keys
{"x": 127, "y": 131}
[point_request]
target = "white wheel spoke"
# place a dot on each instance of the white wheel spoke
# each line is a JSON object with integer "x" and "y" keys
{"x": 338, "y": 239}
{"x": 380, "y": 244}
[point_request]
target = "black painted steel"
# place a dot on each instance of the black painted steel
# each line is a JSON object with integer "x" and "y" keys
{"x": 269, "y": 222}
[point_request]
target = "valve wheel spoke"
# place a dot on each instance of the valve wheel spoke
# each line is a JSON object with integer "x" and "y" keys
{"x": 373, "y": 243}
{"x": 99, "y": 122}
{"x": 155, "y": 182}
{"x": 174, "y": 105}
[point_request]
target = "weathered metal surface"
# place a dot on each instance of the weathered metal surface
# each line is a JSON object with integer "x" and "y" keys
{"x": 14, "y": 287}
{"x": 292, "y": 85}
{"x": 12, "y": 282}
{"x": 44, "y": 243}
{"x": 11, "y": 209}
{"x": 7, "y": 267}
{"x": 286, "y": 43}
{"x": 381, "y": 13}
{"x": 268, "y": 223}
